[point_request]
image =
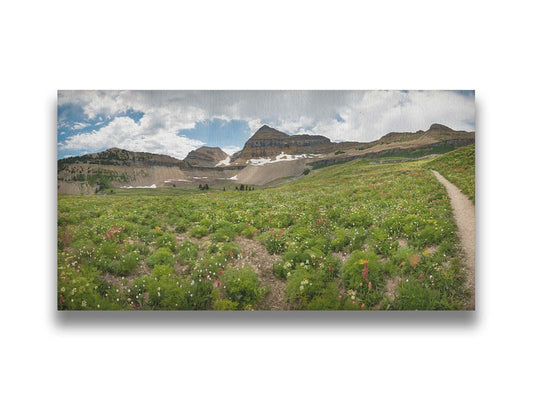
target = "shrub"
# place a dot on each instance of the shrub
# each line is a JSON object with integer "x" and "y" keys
{"x": 353, "y": 276}
{"x": 224, "y": 233}
{"x": 225, "y": 305}
{"x": 127, "y": 264}
{"x": 282, "y": 268}
{"x": 198, "y": 231}
{"x": 415, "y": 295}
{"x": 187, "y": 252}
{"x": 303, "y": 285}
{"x": 249, "y": 231}
{"x": 181, "y": 225}
{"x": 162, "y": 256}
{"x": 364, "y": 276}
{"x": 166, "y": 240}
{"x": 359, "y": 218}
{"x": 243, "y": 287}
{"x": 165, "y": 291}
{"x": 199, "y": 293}
{"x": 327, "y": 299}
{"x": 275, "y": 243}
{"x": 340, "y": 241}
{"x": 83, "y": 290}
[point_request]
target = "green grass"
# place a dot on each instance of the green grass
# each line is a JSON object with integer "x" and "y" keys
{"x": 175, "y": 248}
{"x": 459, "y": 168}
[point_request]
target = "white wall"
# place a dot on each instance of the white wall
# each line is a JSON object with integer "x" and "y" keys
{"x": 272, "y": 45}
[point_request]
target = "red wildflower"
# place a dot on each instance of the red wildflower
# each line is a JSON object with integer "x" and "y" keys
{"x": 220, "y": 271}
{"x": 218, "y": 283}
{"x": 421, "y": 276}
{"x": 365, "y": 272}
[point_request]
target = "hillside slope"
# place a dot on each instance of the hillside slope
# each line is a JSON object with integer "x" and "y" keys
{"x": 459, "y": 167}
{"x": 349, "y": 237}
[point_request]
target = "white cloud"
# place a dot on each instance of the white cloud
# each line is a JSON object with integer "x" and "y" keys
{"x": 230, "y": 150}
{"x": 254, "y": 125}
{"x": 339, "y": 115}
{"x": 79, "y": 125}
{"x": 149, "y": 134}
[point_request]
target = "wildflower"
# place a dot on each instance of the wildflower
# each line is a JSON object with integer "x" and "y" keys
{"x": 421, "y": 276}
{"x": 363, "y": 306}
{"x": 340, "y": 297}
{"x": 369, "y": 285}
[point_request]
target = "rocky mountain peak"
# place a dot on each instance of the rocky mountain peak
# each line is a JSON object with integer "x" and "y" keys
{"x": 440, "y": 127}
{"x": 205, "y": 156}
{"x": 266, "y": 132}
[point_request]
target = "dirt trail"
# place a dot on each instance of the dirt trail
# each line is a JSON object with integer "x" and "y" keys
{"x": 465, "y": 218}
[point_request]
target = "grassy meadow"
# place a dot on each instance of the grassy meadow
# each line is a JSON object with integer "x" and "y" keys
{"x": 354, "y": 236}
{"x": 459, "y": 168}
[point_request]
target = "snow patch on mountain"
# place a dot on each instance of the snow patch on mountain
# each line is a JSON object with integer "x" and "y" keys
{"x": 226, "y": 161}
{"x": 139, "y": 187}
{"x": 280, "y": 157}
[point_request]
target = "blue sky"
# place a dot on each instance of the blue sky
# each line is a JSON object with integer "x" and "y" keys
{"x": 176, "y": 122}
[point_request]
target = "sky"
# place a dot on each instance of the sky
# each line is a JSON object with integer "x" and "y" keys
{"x": 176, "y": 122}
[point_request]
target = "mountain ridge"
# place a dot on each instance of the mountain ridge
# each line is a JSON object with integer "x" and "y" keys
{"x": 266, "y": 156}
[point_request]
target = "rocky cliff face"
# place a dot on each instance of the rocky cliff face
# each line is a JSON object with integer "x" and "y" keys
{"x": 122, "y": 157}
{"x": 268, "y": 142}
{"x": 206, "y": 157}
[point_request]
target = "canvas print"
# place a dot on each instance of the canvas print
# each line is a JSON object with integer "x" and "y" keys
{"x": 266, "y": 200}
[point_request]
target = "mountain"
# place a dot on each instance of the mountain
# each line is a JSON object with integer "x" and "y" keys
{"x": 268, "y": 142}
{"x": 437, "y": 139}
{"x": 120, "y": 157}
{"x": 206, "y": 157}
{"x": 266, "y": 157}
